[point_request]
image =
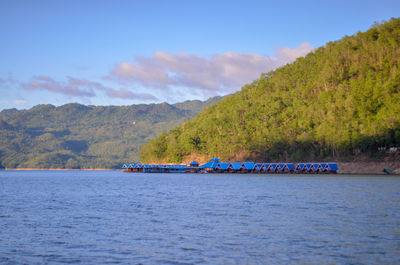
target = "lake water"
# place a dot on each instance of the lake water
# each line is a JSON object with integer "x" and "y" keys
{"x": 56, "y": 217}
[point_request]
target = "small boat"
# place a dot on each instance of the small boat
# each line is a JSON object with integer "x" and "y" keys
{"x": 387, "y": 171}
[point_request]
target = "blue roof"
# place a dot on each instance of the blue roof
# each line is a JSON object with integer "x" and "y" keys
{"x": 290, "y": 166}
{"x": 223, "y": 166}
{"x": 333, "y": 166}
{"x": 266, "y": 166}
{"x": 236, "y": 165}
{"x": 258, "y": 166}
{"x": 300, "y": 166}
{"x": 249, "y": 165}
{"x": 281, "y": 166}
{"x": 215, "y": 163}
{"x": 194, "y": 163}
{"x": 273, "y": 166}
{"x": 316, "y": 165}
{"x": 211, "y": 164}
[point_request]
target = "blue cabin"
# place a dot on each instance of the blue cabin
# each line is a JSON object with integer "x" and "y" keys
{"x": 137, "y": 167}
{"x": 211, "y": 165}
{"x": 129, "y": 167}
{"x": 285, "y": 168}
{"x": 272, "y": 167}
{"x": 331, "y": 168}
{"x": 235, "y": 166}
{"x": 265, "y": 167}
{"x": 222, "y": 167}
{"x": 248, "y": 166}
{"x": 290, "y": 167}
{"x": 307, "y": 167}
{"x": 194, "y": 164}
{"x": 322, "y": 167}
{"x": 281, "y": 167}
{"x": 315, "y": 167}
{"x": 300, "y": 167}
{"x": 258, "y": 167}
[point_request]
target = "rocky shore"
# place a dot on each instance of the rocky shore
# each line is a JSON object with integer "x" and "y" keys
{"x": 368, "y": 167}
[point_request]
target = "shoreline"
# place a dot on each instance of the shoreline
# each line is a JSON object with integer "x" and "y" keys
{"x": 341, "y": 172}
{"x": 369, "y": 167}
{"x": 345, "y": 168}
{"x": 61, "y": 169}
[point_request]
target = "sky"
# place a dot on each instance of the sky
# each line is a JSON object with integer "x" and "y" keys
{"x": 134, "y": 52}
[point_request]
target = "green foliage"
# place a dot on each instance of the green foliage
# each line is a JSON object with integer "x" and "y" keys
{"x": 78, "y": 136}
{"x": 339, "y": 100}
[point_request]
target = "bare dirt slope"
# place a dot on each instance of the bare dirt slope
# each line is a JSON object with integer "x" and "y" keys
{"x": 362, "y": 165}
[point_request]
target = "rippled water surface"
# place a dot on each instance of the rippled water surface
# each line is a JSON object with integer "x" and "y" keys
{"x": 51, "y": 217}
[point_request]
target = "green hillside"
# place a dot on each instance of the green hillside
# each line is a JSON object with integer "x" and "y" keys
{"x": 79, "y": 136}
{"x": 338, "y": 101}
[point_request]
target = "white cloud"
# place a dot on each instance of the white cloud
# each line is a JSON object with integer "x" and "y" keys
{"x": 148, "y": 72}
{"x": 219, "y": 74}
{"x": 20, "y": 102}
{"x": 124, "y": 93}
{"x": 170, "y": 77}
{"x": 73, "y": 87}
{"x": 81, "y": 87}
{"x": 289, "y": 55}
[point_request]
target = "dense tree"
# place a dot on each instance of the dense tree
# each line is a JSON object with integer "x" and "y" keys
{"x": 339, "y": 100}
{"x": 78, "y": 136}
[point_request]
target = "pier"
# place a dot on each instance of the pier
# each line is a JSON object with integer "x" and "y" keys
{"x": 216, "y": 166}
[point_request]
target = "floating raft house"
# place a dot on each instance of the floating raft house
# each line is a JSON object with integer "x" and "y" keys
{"x": 216, "y": 166}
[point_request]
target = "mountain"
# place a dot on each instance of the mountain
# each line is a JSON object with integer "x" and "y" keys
{"x": 197, "y": 106}
{"x": 340, "y": 100}
{"x": 79, "y": 136}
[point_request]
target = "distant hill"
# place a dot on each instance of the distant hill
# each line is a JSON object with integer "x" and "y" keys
{"x": 79, "y": 136}
{"x": 340, "y": 100}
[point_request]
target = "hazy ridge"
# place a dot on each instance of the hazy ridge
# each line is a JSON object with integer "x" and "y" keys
{"x": 80, "y": 136}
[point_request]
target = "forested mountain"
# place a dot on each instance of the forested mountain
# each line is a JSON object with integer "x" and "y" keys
{"x": 79, "y": 136}
{"x": 338, "y": 101}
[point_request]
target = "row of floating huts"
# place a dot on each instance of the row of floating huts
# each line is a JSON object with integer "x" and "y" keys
{"x": 216, "y": 166}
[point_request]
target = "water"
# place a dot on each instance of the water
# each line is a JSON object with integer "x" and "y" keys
{"x": 55, "y": 217}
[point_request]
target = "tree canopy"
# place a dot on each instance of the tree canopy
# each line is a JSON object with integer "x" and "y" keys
{"x": 79, "y": 136}
{"x": 339, "y": 100}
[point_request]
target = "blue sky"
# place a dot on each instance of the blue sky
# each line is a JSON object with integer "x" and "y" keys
{"x": 130, "y": 52}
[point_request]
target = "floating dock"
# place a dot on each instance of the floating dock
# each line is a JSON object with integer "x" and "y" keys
{"x": 216, "y": 166}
